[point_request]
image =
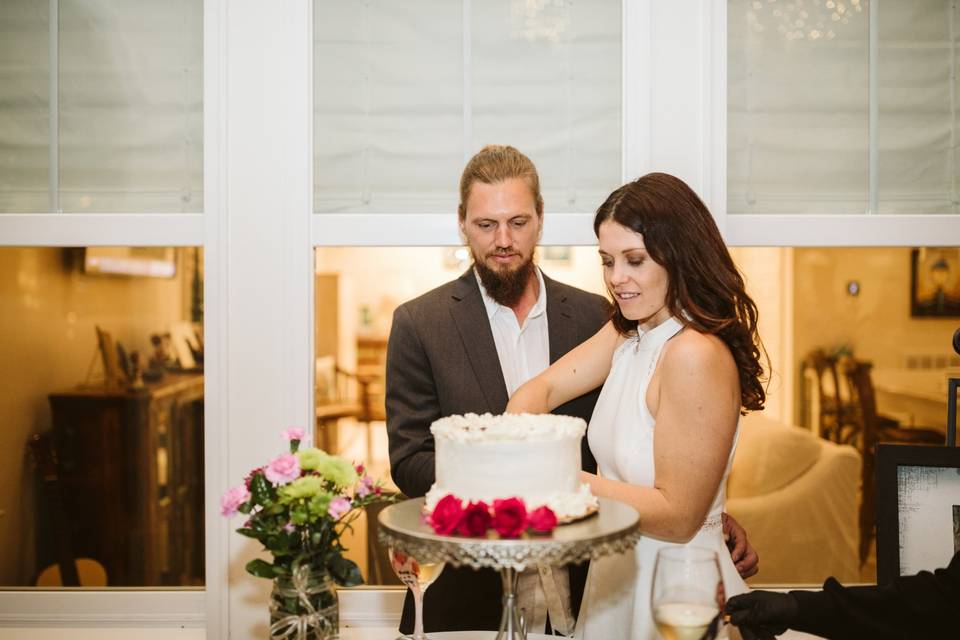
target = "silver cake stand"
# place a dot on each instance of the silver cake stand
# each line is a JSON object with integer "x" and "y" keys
{"x": 614, "y": 529}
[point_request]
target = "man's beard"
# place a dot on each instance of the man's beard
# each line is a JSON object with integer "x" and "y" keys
{"x": 505, "y": 286}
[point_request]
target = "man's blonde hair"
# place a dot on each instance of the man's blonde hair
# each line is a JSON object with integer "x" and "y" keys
{"x": 496, "y": 163}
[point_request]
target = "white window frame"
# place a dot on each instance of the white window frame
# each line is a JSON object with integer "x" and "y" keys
{"x": 259, "y": 235}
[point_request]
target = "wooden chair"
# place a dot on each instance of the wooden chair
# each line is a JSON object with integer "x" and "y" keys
{"x": 872, "y": 429}
{"x": 827, "y": 409}
{"x": 336, "y": 399}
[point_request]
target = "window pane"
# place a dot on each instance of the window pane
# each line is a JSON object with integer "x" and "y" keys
{"x": 793, "y": 487}
{"x": 355, "y": 301}
{"x": 798, "y": 99}
{"x": 546, "y": 79}
{"x": 918, "y": 107}
{"x": 129, "y": 128}
{"x": 24, "y": 106}
{"x": 388, "y": 105}
{"x": 392, "y": 81}
{"x": 103, "y": 406}
{"x": 797, "y": 138}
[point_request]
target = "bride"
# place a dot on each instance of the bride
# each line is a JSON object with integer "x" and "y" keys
{"x": 679, "y": 361}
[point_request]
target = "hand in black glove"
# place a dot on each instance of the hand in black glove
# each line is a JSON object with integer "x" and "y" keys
{"x": 761, "y": 615}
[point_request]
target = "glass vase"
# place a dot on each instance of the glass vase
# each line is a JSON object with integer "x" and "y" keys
{"x": 303, "y": 606}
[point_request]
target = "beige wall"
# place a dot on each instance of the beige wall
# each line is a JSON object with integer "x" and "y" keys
{"x": 876, "y": 324}
{"x": 381, "y": 278}
{"x": 768, "y": 275}
{"x": 49, "y": 311}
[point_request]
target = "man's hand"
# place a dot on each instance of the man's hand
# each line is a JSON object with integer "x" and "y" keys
{"x": 762, "y": 615}
{"x": 744, "y": 556}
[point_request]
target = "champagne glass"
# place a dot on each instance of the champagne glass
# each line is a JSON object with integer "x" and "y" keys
{"x": 417, "y": 576}
{"x": 687, "y": 593}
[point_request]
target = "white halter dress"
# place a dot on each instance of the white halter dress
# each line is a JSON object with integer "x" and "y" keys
{"x": 616, "y": 602}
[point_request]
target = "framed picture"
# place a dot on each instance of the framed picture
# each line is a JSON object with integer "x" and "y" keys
{"x": 918, "y": 508}
{"x": 935, "y": 282}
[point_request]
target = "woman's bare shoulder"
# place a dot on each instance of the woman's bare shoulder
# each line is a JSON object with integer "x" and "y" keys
{"x": 691, "y": 350}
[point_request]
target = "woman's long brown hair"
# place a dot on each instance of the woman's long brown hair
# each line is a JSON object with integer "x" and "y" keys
{"x": 704, "y": 290}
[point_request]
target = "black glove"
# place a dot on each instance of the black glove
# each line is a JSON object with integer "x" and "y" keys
{"x": 761, "y": 615}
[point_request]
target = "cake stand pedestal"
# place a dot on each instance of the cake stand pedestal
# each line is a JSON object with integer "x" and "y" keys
{"x": 614, "y": 529}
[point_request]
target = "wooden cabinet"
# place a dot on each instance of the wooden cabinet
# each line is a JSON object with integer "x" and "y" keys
{"x": 131, "y": 467}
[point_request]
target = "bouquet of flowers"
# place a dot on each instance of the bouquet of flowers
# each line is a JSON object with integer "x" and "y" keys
{"x": 298, "y": 507}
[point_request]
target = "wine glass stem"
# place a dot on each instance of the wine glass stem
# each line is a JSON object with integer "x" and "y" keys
{"x": 418, "y": 617}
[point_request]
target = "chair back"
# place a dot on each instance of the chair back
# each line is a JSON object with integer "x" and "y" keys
{"x": 826, "y": 399}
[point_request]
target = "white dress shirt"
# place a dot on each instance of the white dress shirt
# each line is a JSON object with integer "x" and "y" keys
{"x": 524, "y": 351}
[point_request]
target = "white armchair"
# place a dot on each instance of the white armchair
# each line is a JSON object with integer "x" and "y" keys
{"x": 796, "y": 495}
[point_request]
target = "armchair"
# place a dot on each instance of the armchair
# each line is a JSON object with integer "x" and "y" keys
{"x": 796, "y": 495}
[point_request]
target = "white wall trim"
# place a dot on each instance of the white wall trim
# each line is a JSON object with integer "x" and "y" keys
{"x": 636, "y": 71}
{"x": 430, "y": 229}
{"x": 104, "y": 608}
{"x": 714, "y": 78}
{"x": 821, "y": 230}
{"x": 371, "y": 606}
{"x": 216, "y": 433}
{"x": 268, "y": 267}
{"x": 101, "y": 229}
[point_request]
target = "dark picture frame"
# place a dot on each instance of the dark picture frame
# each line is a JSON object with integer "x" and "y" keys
{"x": 935, "y": 282}
{"x": 896, "y": 489}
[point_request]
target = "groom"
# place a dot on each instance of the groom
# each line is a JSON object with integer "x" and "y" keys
{"x": 465, "y": 347}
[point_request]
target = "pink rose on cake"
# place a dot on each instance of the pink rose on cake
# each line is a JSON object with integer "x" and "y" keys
{"x": 509, "y": 517}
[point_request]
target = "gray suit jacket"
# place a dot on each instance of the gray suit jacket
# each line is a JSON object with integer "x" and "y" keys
{"x": 442, "y": 360}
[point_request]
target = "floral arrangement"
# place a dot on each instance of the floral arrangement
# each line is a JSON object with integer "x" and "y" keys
{"x": 298, "y": 507}
{"x": 509, "y": 518}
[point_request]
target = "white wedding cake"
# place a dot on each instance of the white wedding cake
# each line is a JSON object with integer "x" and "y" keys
{"x": 532, "y": 457}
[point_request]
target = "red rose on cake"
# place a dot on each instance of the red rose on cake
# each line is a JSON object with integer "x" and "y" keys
{"x": 476, "y": 520}
{"x": 509, "y": 517}
{"x": 447, "y": 515}
{"x": 542, "y": 520}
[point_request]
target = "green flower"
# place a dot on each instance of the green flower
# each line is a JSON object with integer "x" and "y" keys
{"x": 311, "y": 458}
{"x": 305, "y": 487}
{"x": 338, "y": 471}
{"x": 319, "y": 504}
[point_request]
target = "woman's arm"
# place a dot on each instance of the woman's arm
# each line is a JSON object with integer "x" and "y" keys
{"x": 582, "y": 369}
{"x": 697, "y": 409}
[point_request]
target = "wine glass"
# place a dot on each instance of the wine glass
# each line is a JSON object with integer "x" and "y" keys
{"x": 687, "y": 593}
{"x": 417, "y": 576}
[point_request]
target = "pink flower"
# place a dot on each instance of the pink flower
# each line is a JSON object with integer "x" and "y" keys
{"x": 282, "y": 469}
{"x": 475, "y": 521}
{"x": 338, "y": 507}
{"x": 542, "y": 520}
{"x": 446, "y": 515}
{"x": 293, "y": 433}
{"x": 359, "y": 467}
{"x": 509, "y": 517}
{"x": 289, "y": 527}
{"x": 232, "y": 500}
{"x": 365, "y": 487}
